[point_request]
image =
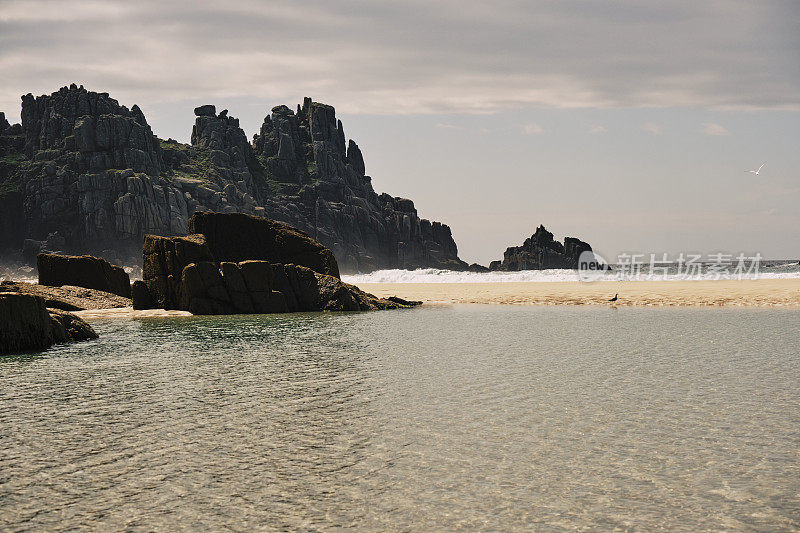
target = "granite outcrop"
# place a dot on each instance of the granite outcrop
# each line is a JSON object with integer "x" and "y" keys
{"x": 27, "y": 325}
{"x": 91, "y": 170}
{"x": 541, "y": 251}
{"x": 263, "y": 266}
{"x": 83, "y": 271}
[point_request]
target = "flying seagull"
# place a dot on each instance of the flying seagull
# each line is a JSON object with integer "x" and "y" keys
{"x": 757, "y": 171}
{"x": 614, "y": 299}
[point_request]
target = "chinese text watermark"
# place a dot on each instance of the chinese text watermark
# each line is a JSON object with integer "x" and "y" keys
{"x": 683, "y": 266}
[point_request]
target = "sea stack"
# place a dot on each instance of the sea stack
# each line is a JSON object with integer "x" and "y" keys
{"x": 540, "y": 251}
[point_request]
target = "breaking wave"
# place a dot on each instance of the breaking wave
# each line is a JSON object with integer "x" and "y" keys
{"x": 433, "y": 275}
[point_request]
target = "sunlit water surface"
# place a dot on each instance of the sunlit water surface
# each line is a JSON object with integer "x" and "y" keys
{"x": 476, "y": 417}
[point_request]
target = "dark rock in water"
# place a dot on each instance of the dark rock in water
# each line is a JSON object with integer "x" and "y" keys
{"x": 267, "y": 267}
{"x": 24, "y": 323}
{"x": 263, "y": 287}
{"x": 203, "y": 290}
{"x": 541, "y": 251}
{"x": 573, "y": 248}
{"x": 238, "y": 237}
{"x": 401, "y": 301}
{"x": 69, "y": 328}
{"x": 27, "y": 325}
{"x": 163, "y": 261}
{"x": 208, "y": 288}
{"x": 83, "y": 271}
{"x": 67, "y": 298}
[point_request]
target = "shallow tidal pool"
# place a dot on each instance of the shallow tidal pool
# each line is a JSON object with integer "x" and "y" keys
{"x": 474, "y": 417}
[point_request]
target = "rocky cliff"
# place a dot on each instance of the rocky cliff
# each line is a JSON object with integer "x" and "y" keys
{"x": 90, "y": 171}
{"x": 12, "y": 156}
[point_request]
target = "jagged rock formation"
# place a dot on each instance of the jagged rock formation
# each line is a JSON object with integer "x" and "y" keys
{"x": 91, "y": 170}
{"x": 327, "y": 194}
{"x": 540, "y": 251}
{"x": 27, "y": 325}
{"x": 297, "y": 275}
{"x": 91, "y": 129}
{"x": 231, "y": 157}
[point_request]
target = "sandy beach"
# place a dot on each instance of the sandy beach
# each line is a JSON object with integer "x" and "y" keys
{"x": 730, "y": 293}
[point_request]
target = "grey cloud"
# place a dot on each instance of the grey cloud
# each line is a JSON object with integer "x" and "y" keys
{"x": 414, "y": 56}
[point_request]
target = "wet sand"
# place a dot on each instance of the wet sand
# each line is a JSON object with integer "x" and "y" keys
{"x": 729, "y": 293}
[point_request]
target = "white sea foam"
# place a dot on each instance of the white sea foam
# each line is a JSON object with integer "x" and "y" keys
{"x": 433, "y": 275}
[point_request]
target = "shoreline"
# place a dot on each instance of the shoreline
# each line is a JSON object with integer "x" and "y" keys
{"x": 719, "y": 293}
{"x": 770, "y": 293}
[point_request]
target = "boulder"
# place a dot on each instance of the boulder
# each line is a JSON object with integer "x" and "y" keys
{"x": 203, "y": 290}
{"x": 163, "y": 262}
{"x": 140, "y": 296}
{"x": 27, "y": 325}
{"x": 67, "y": 327}
{"x": 83, "y": 271}
{"x": 208, "y": 288}
{"x": 24, "y": 323}
{"x": 240, "y": 295}
{"x": 237, "y": 237}
{"x": 298, "y": 274}
{"x": 403, "y": 302}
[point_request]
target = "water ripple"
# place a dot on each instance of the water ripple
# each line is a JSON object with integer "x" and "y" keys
{"x": 472, "y": 417}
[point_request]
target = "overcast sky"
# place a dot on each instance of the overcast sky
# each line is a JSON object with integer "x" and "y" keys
{"x": 629, "y": 124}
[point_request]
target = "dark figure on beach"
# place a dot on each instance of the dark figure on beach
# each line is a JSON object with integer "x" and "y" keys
{"x": 614, "y": 299}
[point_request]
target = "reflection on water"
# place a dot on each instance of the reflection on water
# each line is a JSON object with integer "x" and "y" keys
{"x": 452, "y": 417}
